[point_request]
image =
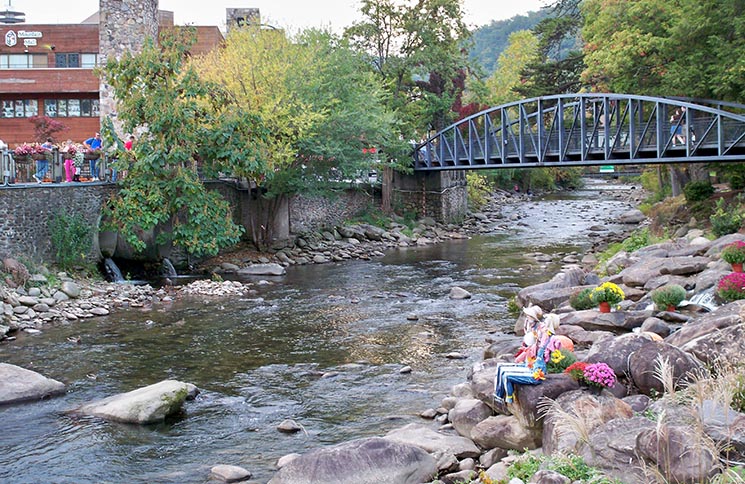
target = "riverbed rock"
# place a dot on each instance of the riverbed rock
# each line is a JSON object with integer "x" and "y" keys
{"x": 459, "y": 293}
{"x": 71, "y": 289}
{"x": 631, "y": 217}
{"x": 505, "y": 432}
{"x": 227, "y": 473}
{"x": 434, "y": 442}
{"x": 145, "y": 405}
{"x": 678, "y": 456}
{"x": 19, "y": 384}
{"x": 364, "y": 461}
{"x": 466, "y": 414}
{"x": 643, "y": 365}
{"x": 262, "y": 270}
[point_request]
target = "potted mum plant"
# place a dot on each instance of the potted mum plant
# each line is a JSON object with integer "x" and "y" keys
{"x": 596, "y": 376}
{"x": 734, "y": 253}
{"x": 23, "y": 152}
{"x": 606, "y": 295}
{"x": 732, "y": 287}
{"x": 668, "y": 297}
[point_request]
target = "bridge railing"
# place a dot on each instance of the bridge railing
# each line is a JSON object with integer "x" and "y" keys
{"x": 21, "y": 170}
{"x": 584, "y": 130}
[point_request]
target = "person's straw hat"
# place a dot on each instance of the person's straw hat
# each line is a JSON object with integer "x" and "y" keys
{"x": 534, "y": 312}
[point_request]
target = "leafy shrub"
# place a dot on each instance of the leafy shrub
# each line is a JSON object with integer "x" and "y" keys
{"x": 581, "y": 300}
{"x": 478, "y": 190}
{"x": 72, "y": 239}
{"x": 670, "y": 295}
{"x": 570, "y": 466}
{"x": 734, "y": 253}
{"x": 726, "y": 219}
{"x": 697, "y": 191}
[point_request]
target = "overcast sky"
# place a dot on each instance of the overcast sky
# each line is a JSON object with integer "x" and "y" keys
{"x": 289, "y": 14}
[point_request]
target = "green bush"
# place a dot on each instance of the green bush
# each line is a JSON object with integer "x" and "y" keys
{"x": 697, "y": 191}
{"x": 725, "y": 219}
{"x": 581, "y": 300}
{"x": 570, "y": 466}
{"x": 670, "y": 295}
{"x": 478, "y": 190}
{"x": 72, "y": 239}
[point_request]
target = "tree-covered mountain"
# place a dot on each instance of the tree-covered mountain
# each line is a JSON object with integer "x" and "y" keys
{"x": 491, "y": 40}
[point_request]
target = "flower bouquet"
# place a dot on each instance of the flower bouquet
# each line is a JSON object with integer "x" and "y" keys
{"x": 606, "y": 295}
{"x": 734, "y": 253}
{"x": 732, "y": 286}
{"x": 668, "y": 297}
{"x": 594, "y": 375}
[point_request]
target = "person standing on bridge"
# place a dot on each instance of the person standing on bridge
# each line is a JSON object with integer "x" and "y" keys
{"x": 677, "y": 121}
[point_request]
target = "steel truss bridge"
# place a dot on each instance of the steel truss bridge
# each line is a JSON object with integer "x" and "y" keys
{"x": 586, "y": 130}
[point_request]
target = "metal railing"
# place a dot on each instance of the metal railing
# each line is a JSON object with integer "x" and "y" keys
{"x": 18, "y": 171}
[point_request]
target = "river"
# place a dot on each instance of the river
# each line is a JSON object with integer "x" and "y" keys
{"x": 322, "y": 345}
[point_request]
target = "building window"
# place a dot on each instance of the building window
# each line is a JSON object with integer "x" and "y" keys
{"x": 72, "y": 108}
{"x": 23, "y": 61}
{"x": 19, "y": 108}
{"x": 88, "y": 61}
{"x": 67, "y": 60}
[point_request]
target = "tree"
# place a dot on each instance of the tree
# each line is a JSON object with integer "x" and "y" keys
{"x": 417, "y": 47}
{"x": 177, "y": 112}
{"x": 521, "y": 50}
{"x": 318, "y": 102}
{"x": 46, "y": 127}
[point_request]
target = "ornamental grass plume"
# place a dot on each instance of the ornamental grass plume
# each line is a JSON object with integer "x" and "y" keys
{"x": 734, "y": 253}
{"x": 732, "y": 286}
{"x": 607, "y": 292}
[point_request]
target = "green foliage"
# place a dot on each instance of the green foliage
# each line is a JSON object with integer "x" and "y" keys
{"x": 522, "y": 49}
{"x": 669, "y": 295}
{"x": 697, "y": 191}
{"x": 155, "y": 89}
{"x": 738, "y": 398}
{"x": 478, "y": 190}
{"x": 637, "y": 239}
{"x": 733, "y": 253}
{"x": 570, "y": 466}
{"x": 581, "y": 301}
{"x": 490, "y": 40}
{"x": 512, "y": 306}
{"x": 726, "y": 219}
{"x": 72, "y": 238}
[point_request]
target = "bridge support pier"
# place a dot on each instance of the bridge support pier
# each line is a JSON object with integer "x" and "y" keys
{"x": 441, "y": 195}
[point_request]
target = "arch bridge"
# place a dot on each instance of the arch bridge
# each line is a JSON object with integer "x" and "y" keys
{"x": 586, "y": 130}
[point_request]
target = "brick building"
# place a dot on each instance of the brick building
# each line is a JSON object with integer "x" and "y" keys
{"x": 49, "y": 70}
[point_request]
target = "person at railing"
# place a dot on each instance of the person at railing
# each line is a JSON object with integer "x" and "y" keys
{"x": 93, "y": 148}
{"x": 68, "y": 153}
{"x": 42, "y": 165}
{"x": 677, "y": 121}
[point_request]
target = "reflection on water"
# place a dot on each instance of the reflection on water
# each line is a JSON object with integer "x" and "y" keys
{"x": 322, "y": 345}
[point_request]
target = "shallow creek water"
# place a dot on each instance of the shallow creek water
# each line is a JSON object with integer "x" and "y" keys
{"x": 322, "y": 345}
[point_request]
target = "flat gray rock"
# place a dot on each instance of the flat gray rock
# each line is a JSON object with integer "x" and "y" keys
{"x": 18, "y": 384}
{"x": 263, "y": 270}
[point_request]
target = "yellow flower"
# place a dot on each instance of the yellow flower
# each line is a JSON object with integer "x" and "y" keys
{"x": 556, "y": 356}
{"x": 539, "y": 375}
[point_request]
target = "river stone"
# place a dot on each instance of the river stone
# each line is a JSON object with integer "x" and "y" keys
{"x": 228, "y": 473}
{"x": 289, "y": 426}
{"x": 459, "y": 293}
{"x": 34, "y": 292}
{"x": 262, "y": 270}
{"x": 18, "y": 384}
{"x": 28, "y": 301}
{"x": 433, "y": 442}
{"x": 364, "y": 461}
{"x": 149, "y": 404}
{"x": 633, "y": 216}
{"x": 71, "y": 289}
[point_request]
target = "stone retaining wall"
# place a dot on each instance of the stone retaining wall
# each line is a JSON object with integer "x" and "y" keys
{"x": 27, "y": 209}
{"x": 441, "y": 195}
{"x": 313, "y": 213}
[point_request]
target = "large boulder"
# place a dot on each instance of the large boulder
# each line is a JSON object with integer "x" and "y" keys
{"x": 145, "y": 405}
{"x": 616, "y": 352}
{"x": 434, "y": 442}
{"x": 611, "y": 447}
{"x": 649, "y": 268}
{"x": 541, "y": 294}
{"x": 644, "y": 364}
{"x": 467, "y": 413}
{"x": 365, "y": 461}
{"x": 505, "y": 432}
{"x": 528, "y": 398}
{"x": 722, "y": 317}
{"x": 617, "y": 321}
{"x": 592, "y": 411}
{"x": 678, "y": 455}
{"x": 725, "y": 345}
{"x": 19, "y": 384}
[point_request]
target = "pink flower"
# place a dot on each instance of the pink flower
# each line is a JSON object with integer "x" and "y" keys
{"x": 600, "y": 374}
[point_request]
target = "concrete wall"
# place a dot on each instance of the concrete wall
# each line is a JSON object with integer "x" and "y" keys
{"x": 441, "y": 195}
{"x": 27, "y": 209}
